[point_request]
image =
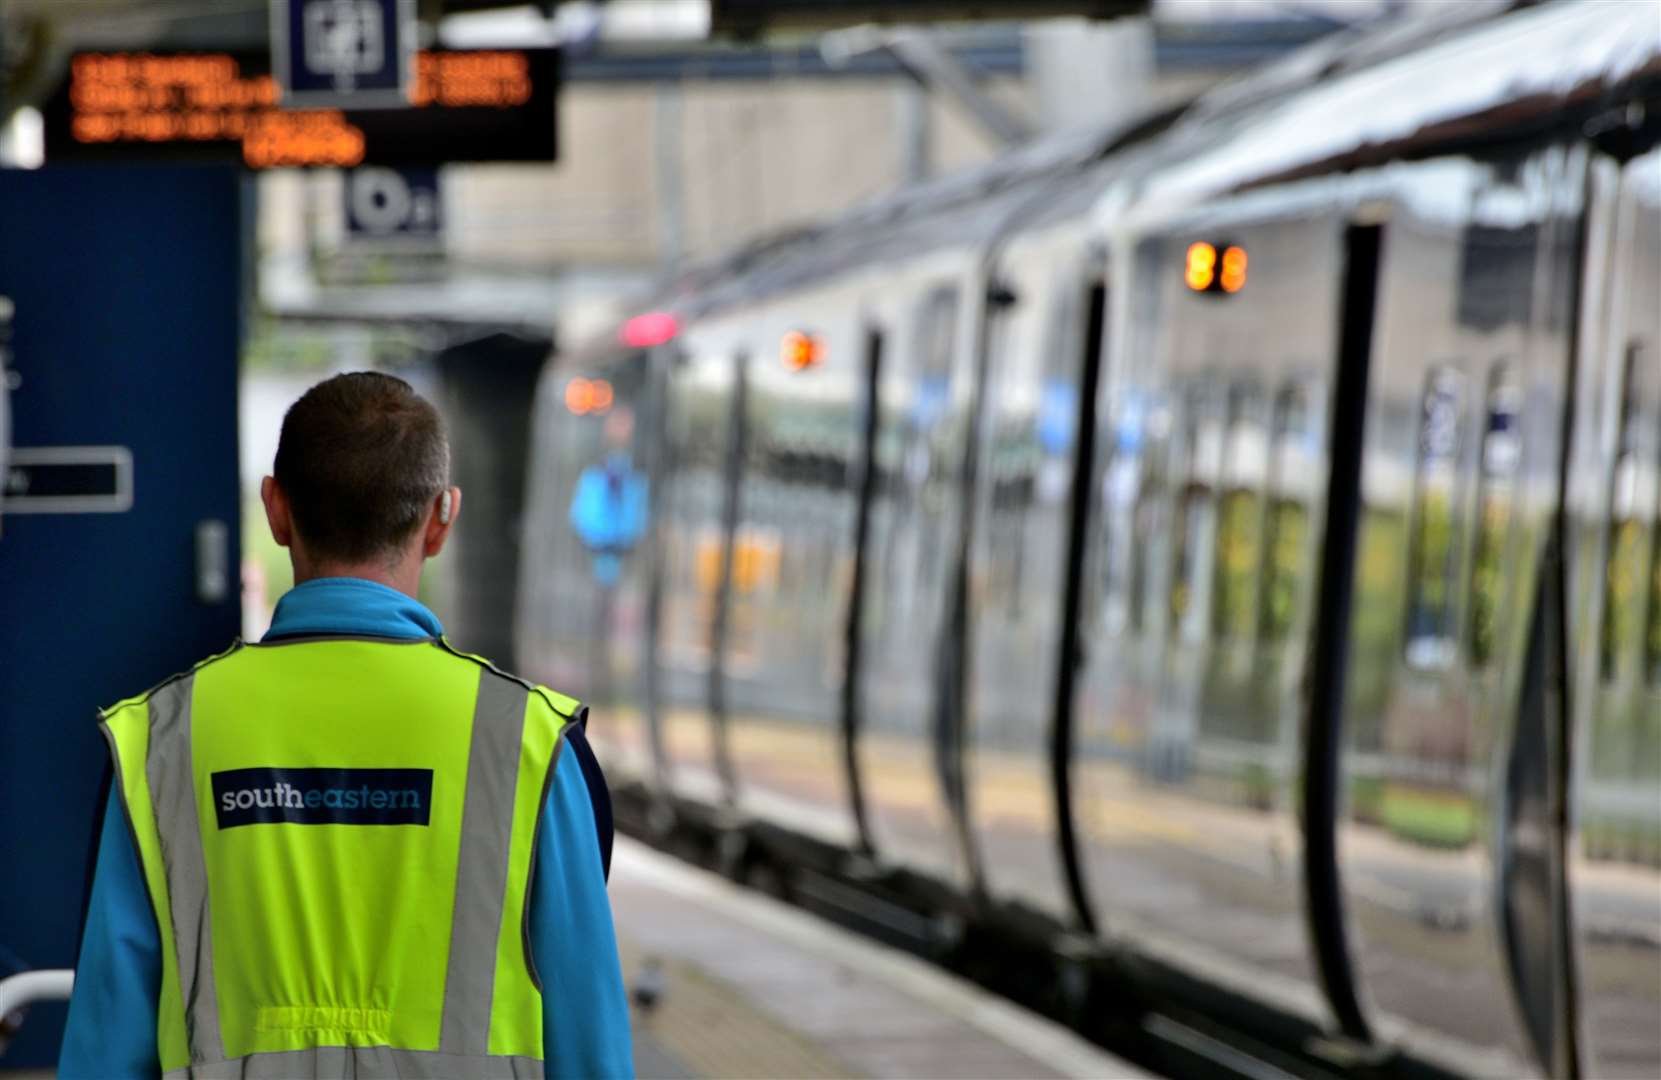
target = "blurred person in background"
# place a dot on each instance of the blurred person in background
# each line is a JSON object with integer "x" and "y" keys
{"x": 608, "y": 514}
{"x": 351, "y": 849}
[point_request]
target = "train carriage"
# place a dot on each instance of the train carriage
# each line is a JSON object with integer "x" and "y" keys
{"x": 1231, "y": 544}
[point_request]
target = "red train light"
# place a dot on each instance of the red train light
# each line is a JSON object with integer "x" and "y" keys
{"x": 652, "y": 328}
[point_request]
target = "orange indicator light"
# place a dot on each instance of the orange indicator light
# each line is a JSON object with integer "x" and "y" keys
{"x": 1202, "y": 266}
{"x": 588, "y": 397}
{"x": 800, "y": 350}
{"x": 1234, "y": 269}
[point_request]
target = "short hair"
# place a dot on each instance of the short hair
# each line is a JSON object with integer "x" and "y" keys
{"x": 361, "y": 457}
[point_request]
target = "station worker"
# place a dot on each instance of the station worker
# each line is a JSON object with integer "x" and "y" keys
{"x": 350, "y": 849}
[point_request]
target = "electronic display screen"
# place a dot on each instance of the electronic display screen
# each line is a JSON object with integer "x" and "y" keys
{"x": 474, "y": 105}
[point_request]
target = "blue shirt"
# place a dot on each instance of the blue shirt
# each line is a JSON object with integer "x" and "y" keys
{"x": 585, "y": 1019}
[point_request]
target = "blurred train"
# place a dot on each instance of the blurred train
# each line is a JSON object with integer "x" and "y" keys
{"x": 1232, "y": 543}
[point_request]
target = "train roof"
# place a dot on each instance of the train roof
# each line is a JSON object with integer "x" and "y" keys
{"x": 1485, "y": 66}
{"x": 1418, "y": 89}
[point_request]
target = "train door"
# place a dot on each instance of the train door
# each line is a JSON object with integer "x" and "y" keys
{"x": 1615, "y": 628}
{"x": 584, "y": 570}
{"x": 704, "y": 411}
{"x": 1212, "y": 459}
{"x": 1443, "y": 854}
{"x": 1124, "y": 631}
{"x": 1018, "y": 566}
{"x": 792, "y": 562}
{"x": 908, "y": 735}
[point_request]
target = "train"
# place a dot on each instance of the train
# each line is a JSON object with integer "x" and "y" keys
{"x": 1226, "y": 546}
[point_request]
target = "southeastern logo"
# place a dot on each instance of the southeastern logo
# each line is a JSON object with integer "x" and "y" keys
{"x": 322, "y": 796}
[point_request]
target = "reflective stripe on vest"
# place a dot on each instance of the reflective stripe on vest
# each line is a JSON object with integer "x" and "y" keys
{"x": 364, "y": 1061}
{"x": 339, "y": 860}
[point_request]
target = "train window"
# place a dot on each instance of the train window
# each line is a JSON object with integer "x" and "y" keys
{"x": 923, "y": 468}
{"x": 1624, "y": 569}
{"x": 931, "y": 383}
{"x": 1148, "y": 517}
{"x": 1121, "y": 492}
{"x": 1195, "y": 511}
{"x": 1286, "y": 531}
{"x": 935, "y": 331}
{"x": 1500, "y": 457}
{"x": 1056, "y": 425}
{"x": 1652, "y": 648}
{"x": 1242, "y": 471}
{"x": 1433, "y": 548}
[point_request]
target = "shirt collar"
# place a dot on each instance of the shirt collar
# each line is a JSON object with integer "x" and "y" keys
{"x": 352, "y": 606}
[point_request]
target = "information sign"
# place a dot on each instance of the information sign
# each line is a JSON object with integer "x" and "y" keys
{"x": 394, "y": 204}
{"x": 68, "y": 480}
{"x": 350, "y": 54}
{"x": 479, "y": 105}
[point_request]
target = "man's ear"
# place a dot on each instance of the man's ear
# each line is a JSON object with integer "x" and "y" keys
{"x": 277, "y": 513}
{"x": 445, "y": 511}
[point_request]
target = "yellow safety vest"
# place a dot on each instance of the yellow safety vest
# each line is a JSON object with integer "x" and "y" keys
{"x": 338, "y": 835}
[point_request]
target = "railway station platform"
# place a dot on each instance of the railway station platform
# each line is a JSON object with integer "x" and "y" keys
{"x": 727, "y": 982}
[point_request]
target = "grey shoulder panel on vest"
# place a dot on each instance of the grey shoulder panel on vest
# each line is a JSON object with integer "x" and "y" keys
{"x": 579, "y": 714}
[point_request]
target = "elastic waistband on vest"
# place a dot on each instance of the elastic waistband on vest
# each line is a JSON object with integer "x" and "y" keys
{"x": 365, "y": 1063}
{"x": 373, "y": 1023}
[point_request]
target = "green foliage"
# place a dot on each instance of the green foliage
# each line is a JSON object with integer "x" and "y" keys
{"x": 1234, "y": 576}
{"x": 1623, "y": 595}
{"x": 1618, "y": 840}
{"x": 1376, "y": 623}
{"x": 1488, "y": 576}
{"x": 1367, "y": 800}
{"x": 1431, "y": 578}
{"x": 258, "y": 547}
{"x": 272, "y": 346}
{"x": 1285, "y": 567}
{"x": 1432, "y": 818}
{"x": 1652, "y": 648}
{"x": 1258, "y": 787}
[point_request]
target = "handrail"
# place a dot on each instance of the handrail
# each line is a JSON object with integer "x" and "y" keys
{"x": 48, "y": 984}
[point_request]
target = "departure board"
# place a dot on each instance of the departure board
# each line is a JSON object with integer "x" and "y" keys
{"x": 480, "y": 105}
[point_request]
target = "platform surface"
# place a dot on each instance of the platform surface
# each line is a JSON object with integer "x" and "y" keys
{"x": 742, "y": 986}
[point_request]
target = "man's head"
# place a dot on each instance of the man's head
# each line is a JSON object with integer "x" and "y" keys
{"x": 361, "y": 485}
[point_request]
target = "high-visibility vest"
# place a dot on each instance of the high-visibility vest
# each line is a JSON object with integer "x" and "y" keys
{"x": 338, "y": 836}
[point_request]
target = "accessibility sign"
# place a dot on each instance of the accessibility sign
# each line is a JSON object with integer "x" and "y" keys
{"x": 401, "y": 204}
{"x": 346, "y": 54}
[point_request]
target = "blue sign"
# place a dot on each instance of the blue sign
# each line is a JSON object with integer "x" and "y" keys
{"x": 384, "y": 204}
{"x": 346, "y": 54}
{"x": 1057, "y": 416}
